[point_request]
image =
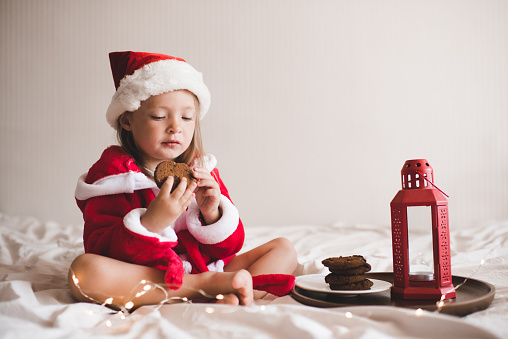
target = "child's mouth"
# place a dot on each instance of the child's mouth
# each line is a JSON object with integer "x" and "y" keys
{"x": 171, "y": 143}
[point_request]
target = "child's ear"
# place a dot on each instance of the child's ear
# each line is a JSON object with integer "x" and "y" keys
{"x": 125, "y": 121}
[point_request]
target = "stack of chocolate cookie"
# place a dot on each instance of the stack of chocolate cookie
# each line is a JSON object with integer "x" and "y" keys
{"x": 348, "y": 273}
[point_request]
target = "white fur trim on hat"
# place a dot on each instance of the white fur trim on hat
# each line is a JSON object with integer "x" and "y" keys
{"x": 153, "y": 79}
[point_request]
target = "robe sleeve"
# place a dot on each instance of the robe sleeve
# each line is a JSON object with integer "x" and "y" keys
{"x": 113, "y": 229}
{"x": 225, "y": 237}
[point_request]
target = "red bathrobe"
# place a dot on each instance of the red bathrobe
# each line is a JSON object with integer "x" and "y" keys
{"x": 113, "y": 196}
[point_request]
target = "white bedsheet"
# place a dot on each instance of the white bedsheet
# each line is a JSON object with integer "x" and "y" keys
{"x": 35, "y": 301}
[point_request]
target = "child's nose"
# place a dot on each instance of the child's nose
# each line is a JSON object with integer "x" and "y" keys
{"x": 174, "y": 126}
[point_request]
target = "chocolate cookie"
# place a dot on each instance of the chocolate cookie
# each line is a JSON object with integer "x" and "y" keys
{"x": 361, "y": 285}
{"x": 352, "y": 271}
{"x": 340, "y": 263}
{"x": 170, "y": 168}
{"x": 334, "y": 279}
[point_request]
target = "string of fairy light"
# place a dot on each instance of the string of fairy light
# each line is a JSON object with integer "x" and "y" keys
{"x": 146, "y": 286}
{"x": 143, "y": 287}
{"x": 442, "y": 302}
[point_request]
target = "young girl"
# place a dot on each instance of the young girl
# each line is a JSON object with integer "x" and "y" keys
{"x": 186, "y": 240}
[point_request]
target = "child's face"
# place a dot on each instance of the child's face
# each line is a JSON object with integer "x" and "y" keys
{"x": 163, "y": 126}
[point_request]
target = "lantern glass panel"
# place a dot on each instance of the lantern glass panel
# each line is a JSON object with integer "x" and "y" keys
{"x": 421, "y": 261}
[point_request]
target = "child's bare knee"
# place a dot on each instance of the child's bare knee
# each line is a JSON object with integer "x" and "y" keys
{"x": 84, "y": 272}
{"x": 287, "y": 246}
{"x": 83, "y": 264}
{"x": 284, "y": 243}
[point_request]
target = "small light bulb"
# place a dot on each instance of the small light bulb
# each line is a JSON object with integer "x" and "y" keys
{"x": 76, "y": 280}
{"x": 129, "y": 305}
{"x": 147, "y": 287}
{"x": 219, "y": 297}
{"x": 109, "y": 301}
{"x": 209, "y": 310}
{"x": 419, "y": 312}
{"x": 349, "y": 315}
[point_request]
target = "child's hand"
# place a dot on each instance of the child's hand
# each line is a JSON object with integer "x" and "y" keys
{"x": 207, "y": 195}
{"x": 167, "y": 206}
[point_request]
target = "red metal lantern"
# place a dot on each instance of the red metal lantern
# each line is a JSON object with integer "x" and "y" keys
{"x": 418, "y": 189}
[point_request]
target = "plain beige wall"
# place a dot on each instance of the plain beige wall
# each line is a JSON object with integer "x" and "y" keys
{"x": 315, "y": 104}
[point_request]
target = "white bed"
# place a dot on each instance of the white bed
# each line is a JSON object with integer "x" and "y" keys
{"x": 35, "y": 301}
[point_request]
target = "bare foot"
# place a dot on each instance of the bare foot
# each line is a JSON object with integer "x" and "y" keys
{"x": 234, "y": 287}
{"x": 242, "y": 283}
{"x": 229, "y": 299}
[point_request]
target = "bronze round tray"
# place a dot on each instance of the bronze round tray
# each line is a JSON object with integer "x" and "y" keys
{"x": 474, "y": 295}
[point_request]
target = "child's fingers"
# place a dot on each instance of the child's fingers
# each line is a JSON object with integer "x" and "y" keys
{"x": 201, "y": 173}
{"x": 183, "y": 194}
{"x": 167, "y": 185}
{"x": 198, "y": 170}
{"x": 189, "y": 191}
{"x": 208, "y": 193}
{"x": 180, "y": 189}
{"x": 205, "y": 179}
{"x": 189, "y": 200}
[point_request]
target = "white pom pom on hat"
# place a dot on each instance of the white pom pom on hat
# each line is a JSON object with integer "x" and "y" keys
{"x": 140, "y": 75}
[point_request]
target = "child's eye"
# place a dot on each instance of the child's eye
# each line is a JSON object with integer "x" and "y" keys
{"x": 157, "y": 118}
{"x": 187, "y": 118}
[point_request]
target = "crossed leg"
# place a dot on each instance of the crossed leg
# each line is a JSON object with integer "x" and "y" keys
{"x": 101, "y": 278}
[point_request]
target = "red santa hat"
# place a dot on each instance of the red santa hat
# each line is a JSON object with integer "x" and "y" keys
{"x": 140, "y": 75}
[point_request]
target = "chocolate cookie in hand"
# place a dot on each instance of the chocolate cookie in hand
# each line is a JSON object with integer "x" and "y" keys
{"x": 173, "y": 169}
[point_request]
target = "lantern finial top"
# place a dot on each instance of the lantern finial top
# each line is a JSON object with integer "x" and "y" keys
{"x": 416, "y": 173}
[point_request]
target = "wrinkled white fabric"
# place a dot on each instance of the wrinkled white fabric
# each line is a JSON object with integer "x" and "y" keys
{"x": 36, "y": 302}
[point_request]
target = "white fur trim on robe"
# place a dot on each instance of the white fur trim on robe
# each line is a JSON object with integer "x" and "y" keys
{"x": 127, "y": 182}
{"x": 187, "y": 267}
{"x": 132, "y": 222}
{"x": 216, "y": 266}
{"x": 213, "y": 233}
{"x": 209, "y": 162}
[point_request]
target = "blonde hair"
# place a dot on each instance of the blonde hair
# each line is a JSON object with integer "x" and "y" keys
{"x": 194, "y": 153}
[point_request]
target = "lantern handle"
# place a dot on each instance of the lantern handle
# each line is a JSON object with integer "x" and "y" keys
{"x": 430, "y": 182}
